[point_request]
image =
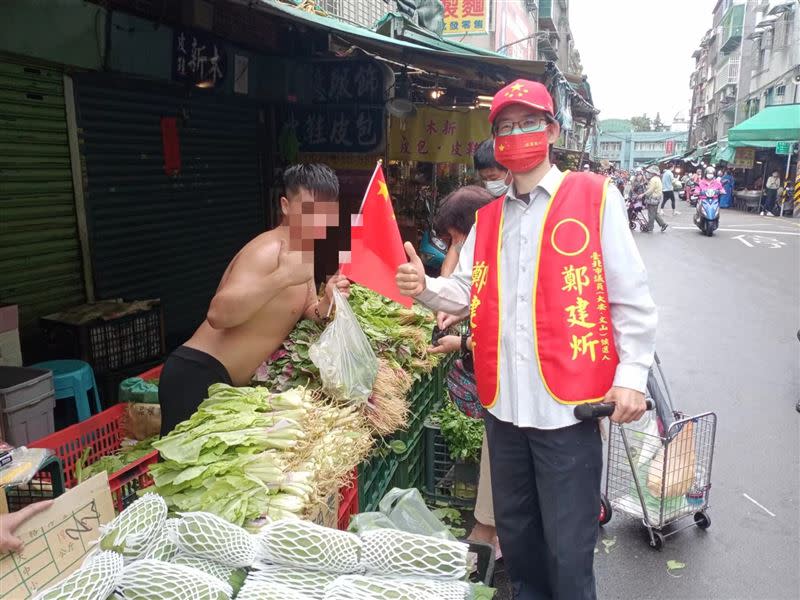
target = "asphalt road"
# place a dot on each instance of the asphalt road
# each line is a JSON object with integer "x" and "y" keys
{"x": 729, "y": 312}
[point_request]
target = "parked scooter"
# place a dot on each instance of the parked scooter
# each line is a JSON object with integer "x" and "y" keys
{"x": 709, "y": 191}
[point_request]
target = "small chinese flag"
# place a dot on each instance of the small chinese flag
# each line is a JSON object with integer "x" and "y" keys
{"x": 376, "y": 248}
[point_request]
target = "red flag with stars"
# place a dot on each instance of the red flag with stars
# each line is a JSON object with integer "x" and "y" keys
{"x": 376, "y": 248}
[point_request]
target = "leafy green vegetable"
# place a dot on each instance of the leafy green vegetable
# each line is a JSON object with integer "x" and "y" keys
{"x": 112, "y": 462}
{"x": 463, "y": 434}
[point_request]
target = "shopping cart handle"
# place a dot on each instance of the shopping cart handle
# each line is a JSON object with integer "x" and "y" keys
{"x": 597, "y": 410}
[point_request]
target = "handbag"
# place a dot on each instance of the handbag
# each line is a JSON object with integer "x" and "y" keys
{"x": 463, "y": 389}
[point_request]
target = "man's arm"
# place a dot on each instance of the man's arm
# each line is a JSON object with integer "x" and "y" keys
{"x": 633, "y": 312}
{"x": 254, "y": 279}
{"x": 451, "y": 294}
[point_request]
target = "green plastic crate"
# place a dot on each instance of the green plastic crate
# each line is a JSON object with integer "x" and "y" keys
{"x": 443, "y": 477}
{"x": 410, "y": 471}
{"x": 47, "y": 484}
{"x": 375, "y": 476}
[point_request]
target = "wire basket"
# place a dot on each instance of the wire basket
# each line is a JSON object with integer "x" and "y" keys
{"x": 661, "y": 477}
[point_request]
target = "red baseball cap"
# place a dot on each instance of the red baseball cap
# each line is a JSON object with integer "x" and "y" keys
{"x": 522, "y": 91}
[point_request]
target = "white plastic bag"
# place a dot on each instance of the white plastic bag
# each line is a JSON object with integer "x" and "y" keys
{"x": 347, "y": 365}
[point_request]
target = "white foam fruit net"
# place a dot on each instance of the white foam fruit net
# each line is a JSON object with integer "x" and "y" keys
{"x": 208, "y": 536}
{"x": 132, "y": 531}
{"x": 209, "y": 567}
{"x": 296, "y": 543}
{"x": 163, "y": 546}
{"x": 97, "y": 578}
{"x": 309, "y": 584}
{"x": 360, "y": 587}
{"x": 393, "y": 552}
{"x": 150, "y": 579}
{"x": 264, "y": 590}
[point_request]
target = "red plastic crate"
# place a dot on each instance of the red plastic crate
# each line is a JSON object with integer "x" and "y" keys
{"x": 348, "y": 505}
{"x": 104, "y": 434}
{"x": 153, "y": 373}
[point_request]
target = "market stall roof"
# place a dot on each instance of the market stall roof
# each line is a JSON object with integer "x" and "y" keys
{"x": 405, "y": 43}
{"x": 773, "y": 124}
{"x": 426, "y": 52}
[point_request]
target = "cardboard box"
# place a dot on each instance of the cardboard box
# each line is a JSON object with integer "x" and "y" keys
{"x": 9, "y": 317}
{"x": 57, "y": 540}
{"x": 327, "y": 513}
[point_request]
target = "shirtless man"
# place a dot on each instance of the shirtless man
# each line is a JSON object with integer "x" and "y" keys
{"x": 267, "y": 288}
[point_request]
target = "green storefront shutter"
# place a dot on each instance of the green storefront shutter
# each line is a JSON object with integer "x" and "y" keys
{"x": 153, "y": 235}
{"x": 40, "y": 260}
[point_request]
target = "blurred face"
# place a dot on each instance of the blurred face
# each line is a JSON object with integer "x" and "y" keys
{"x": 309, "y": 218}
{"x": 776, "y": 174}
{"x": 492, "y": 174}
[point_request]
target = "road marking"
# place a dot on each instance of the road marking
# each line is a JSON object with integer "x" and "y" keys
{"x": 744, "y": 241}
{"x": 760, "y": 240}
{"x": 746, "y": 231}
{"x": 761, "y": 506}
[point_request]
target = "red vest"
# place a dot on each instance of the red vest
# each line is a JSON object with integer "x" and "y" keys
{"x": 576, "y": 355}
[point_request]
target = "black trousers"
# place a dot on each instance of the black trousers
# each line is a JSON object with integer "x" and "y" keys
{"x": 546, "y": 488}
{"x": 184, "y": 384}
{"x": 668, "y": 196}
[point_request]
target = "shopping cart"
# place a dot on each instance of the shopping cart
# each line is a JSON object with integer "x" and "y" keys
{"x": 659, "y": 468}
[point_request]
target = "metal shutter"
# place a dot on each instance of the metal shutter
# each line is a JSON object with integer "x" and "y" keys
{"x": 153, "y": 235}
{"x": 40, "y": 260}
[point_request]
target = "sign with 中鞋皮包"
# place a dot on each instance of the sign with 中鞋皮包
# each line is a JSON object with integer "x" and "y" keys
{"x": 438, "y": 136}
{"x": 465, "y": 17}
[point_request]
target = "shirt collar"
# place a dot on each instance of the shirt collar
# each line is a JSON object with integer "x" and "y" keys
{"x": 548, "y": 184}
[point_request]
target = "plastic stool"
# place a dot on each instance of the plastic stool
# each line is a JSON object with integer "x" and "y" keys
{"x": 74, "y": 379}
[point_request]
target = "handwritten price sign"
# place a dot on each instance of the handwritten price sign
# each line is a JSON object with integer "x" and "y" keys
{"x": 57, "y": 540}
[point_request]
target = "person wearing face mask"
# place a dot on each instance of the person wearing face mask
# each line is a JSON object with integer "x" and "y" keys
{"x": 493, "y": 175}
{"x": 560, "y": 312}
{"x": 709, "y": 183}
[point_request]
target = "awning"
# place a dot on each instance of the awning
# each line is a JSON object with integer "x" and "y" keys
{"x": 779, "y": 123}
{"x": 399, "y": 40}
{"x": 781, "y": 7}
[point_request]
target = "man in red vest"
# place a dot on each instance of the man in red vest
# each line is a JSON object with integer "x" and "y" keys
{"x": 561, "y": 314}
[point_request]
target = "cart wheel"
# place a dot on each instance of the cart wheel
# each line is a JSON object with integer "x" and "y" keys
{"x": 702, "y": 520}
{"x": 643, "y": 227}
{"x": 605, "y": 510}
{"x": 633, "y": 224}
{"x": 657, "y": 543}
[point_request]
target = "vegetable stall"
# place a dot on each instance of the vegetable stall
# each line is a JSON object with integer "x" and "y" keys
{"x": 287, "y": 454}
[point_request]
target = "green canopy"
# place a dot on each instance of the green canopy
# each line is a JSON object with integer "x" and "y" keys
{"x": 773, "y": 124}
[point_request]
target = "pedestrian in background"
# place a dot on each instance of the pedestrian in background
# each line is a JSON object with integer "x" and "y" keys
{"x": 668, "y": 189}
{"x": 773, "y": 185}
{"x": 728, "y": 182}
{"x": 653, "y": 196}
{"x": 493, "y": 175}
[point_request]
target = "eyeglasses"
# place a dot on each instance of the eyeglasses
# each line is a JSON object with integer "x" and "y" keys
{"x": 527, "y": 125}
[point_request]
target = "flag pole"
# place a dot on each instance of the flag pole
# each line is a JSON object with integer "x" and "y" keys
{"x": 369, "y": 185}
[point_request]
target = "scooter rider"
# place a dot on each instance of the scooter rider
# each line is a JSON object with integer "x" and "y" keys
{"x": 710, "y": 182}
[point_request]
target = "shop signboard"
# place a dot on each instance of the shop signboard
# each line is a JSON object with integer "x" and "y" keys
{"x": 745, "y": 158}
{"x": 465, "y": 17}
{"x": 197, "y": 58}
{"x": 335, "y": 128}
{"x": 438, "y": 136}
{"x": 346, "y": 82}
{"x": 783, "y": 148}
{"x": 669, "y": 147}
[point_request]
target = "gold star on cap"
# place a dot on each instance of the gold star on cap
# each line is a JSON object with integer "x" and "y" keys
{"x": 516, "y": 87}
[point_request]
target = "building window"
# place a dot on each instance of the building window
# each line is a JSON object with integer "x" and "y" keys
{"x": 733, "y": 69}
{"x": 768, "y": 97}
{"x": 780, "y": 94}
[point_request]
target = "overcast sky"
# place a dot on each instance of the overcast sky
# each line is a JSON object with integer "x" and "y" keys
{"x": 638, "y": 53}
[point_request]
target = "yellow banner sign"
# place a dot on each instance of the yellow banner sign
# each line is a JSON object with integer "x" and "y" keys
{"x": 745, "y": 158}
{"x": 465, "y": 16}
{"x": 439, "y": 136}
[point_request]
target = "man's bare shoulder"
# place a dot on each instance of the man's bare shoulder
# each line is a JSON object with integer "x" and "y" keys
{"x": 261, "y": 252}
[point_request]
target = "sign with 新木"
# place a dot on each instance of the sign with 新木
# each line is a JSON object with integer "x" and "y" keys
{"x": 197, "y": 58}
{"x": 438, "y": 136}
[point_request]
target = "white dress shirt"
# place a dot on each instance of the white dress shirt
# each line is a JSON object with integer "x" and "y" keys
{"x": 523, "y": 399}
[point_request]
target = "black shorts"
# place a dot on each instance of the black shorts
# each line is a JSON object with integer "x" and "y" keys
{"x": 184, "y": 384}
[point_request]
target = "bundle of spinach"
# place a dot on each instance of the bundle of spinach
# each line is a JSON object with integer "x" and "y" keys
{"x": 112, "y": 463}
{"x": 463, "y": 434}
